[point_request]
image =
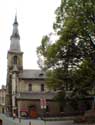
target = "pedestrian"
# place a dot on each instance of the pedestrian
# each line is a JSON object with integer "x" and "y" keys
{"x": 14, "y": 115}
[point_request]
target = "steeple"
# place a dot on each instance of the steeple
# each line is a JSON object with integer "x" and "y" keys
{"x": 15, "y": 38}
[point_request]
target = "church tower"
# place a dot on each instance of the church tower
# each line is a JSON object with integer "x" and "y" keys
{"x": 15, "y": 56}
{"x": 14, "y": 67}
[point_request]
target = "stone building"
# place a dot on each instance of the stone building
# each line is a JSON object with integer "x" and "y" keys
{"x": 2, "y": 99}
{"x": 25, "y": 88}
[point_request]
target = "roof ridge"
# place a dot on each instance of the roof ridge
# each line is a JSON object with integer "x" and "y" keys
{"x": 32, "y": 69}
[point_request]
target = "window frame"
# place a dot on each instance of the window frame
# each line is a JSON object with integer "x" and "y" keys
{"x": 42, "y": 87}
{"x": 30, "y": 87}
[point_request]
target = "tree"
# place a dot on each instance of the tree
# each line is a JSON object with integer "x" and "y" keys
{"x": 65, "y": 59}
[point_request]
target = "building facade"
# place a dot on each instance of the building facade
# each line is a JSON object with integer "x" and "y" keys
{"x": 26, "y": 88}
{"x": 2, "y": 99}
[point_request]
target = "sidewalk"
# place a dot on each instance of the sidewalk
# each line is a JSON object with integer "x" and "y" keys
{"x": 10, "y": 121}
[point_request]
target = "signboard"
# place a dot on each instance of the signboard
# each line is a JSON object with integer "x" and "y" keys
{"x": 43, "y": 103}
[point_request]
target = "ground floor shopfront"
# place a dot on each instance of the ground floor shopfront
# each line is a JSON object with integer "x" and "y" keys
{"x": 29, "y": 105}
{"x": 33, "y": 109}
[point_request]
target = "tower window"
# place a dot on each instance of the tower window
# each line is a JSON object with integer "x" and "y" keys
{"x": 15, "y": 60}
{"x": 30, "y": 87}
{"x": 42, "y": 87}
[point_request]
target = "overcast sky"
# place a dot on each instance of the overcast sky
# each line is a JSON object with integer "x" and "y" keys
{"x": 35, "y": 18}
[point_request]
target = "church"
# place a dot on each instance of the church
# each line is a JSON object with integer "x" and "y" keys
{"x": 27, "y": 94}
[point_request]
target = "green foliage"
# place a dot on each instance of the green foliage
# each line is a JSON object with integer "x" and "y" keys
{"x": 70, "y": 60}
{"x": 84, "y": 78}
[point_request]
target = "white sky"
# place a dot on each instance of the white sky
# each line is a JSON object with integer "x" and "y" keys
{"x": 35, "y": 18}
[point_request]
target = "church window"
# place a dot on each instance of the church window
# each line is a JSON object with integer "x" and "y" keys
{"x": 42, "y": 87}
{"x": 30, "y": 87}
{"x": 15, "y": 60}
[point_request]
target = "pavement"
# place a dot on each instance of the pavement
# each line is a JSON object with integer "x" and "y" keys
{"x": 10, "y": 121}
{"x": 59, "y": 123}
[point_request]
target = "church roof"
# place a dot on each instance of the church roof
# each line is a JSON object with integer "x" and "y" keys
{"x": 32, "y": 74}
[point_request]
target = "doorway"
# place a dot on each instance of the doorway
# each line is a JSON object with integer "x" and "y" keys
{"x": 33, "y": 111}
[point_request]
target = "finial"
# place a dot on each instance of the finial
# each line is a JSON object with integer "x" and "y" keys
{"x": 16, "y": 12}
{"x": 15, "y": 21}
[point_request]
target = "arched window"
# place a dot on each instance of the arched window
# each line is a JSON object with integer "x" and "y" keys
{"x": 29, "y": 87}
{"x": 15, "y": 60}
{"x": 42, "y": 87}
